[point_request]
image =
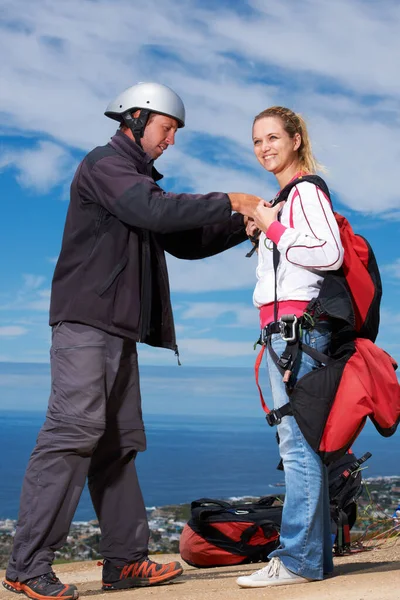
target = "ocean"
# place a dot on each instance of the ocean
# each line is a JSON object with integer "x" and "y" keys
{"x": 217, "y": 456}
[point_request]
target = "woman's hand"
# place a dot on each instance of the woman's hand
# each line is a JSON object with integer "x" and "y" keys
{"x": 265, "y": 214}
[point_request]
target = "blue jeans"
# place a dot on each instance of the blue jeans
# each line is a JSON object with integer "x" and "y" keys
{"x": 305, "y": 539}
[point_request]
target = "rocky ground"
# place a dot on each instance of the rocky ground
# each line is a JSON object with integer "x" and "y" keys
{"x": 372, "y": 575}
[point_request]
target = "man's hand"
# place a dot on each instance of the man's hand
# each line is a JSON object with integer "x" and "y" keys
{"x": 244, "y": 203}
{"x": 251, "y": 227}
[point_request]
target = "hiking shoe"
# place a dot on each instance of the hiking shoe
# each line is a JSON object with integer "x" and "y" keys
{"x": 137, "y": 574}
{"x": 12, "y": 585}
{"x": 274, "y": 573}
{"x": 42, "y": 587}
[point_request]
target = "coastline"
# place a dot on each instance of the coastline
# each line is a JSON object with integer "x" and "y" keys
{"x": 376, "y": 512}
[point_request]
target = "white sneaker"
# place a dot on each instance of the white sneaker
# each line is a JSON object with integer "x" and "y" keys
{"x": 274, "y": 573}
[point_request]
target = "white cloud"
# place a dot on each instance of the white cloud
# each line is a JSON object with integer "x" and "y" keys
{"x": 239, "y": 315}
{"x": 213, "y": 347}
{"x": 392, "y": 270}
{"x": 389, "y": 319}
{"x": 345, "y": 42}
{"x": 31, "y": 295}
{"x": 337, "y": 63}
{"x": 32, "y": 282}
{"x": 42, "y": 302}
{"x": 12, "y": 331}
{"x": 204, "y": 177}
{"x": 391, "y": 216}
{"x": 202, "y": 350}
{"x": 354, "y": 165}
{"x": 39, "y": 168}
{"x": 228, "y": 271}
{"x": 203, "y": 386}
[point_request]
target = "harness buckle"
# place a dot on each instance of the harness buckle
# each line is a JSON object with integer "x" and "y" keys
{"x": 273, "y": 418}
{"x": 285, "y": 361}
{"x": 289, "y": 328}
{"x": 264, "y": 336}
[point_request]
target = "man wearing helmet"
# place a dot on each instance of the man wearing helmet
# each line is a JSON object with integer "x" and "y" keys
{"x": 110, "y": 290}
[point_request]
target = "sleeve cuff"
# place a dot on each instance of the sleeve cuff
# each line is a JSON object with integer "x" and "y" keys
{"x": 275, "y": 231}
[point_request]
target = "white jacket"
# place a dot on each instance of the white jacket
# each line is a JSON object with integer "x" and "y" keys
{"x": 309, "y": 243}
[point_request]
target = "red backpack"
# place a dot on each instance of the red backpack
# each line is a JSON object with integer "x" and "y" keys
{"x": 356, "y": 379}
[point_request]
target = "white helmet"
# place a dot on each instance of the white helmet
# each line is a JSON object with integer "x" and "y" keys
{"x": 152, "y": 97}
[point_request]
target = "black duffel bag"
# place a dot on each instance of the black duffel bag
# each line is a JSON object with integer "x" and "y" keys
{"x": 220, "y": 533}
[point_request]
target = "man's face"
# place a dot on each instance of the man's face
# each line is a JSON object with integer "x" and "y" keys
{"x": 158, "y": 134}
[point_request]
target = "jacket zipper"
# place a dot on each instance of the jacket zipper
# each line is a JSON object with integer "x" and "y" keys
{"x": 164, "y": 277}
{"x": 145, "y": 294}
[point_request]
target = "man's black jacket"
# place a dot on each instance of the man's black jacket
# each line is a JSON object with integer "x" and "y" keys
{"x": 111, "y": 272}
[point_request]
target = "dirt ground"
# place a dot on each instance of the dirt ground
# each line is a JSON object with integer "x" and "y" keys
{"x": 372, "y": 575}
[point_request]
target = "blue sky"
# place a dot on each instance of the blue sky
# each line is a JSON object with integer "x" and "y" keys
{"x": 336, "y": 63}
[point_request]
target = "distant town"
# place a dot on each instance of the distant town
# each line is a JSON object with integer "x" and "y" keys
{"x": 378, "y": 510}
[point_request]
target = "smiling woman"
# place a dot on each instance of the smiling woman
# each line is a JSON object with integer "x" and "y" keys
{"x": 306, "y": 244}
{"x": 281, "y": 141}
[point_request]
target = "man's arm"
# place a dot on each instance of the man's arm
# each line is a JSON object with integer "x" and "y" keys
{"x": 138, "y": 201}
{"x": 205, "y": 241}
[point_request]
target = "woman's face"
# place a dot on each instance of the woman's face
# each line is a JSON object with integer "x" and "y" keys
{"x": 273, "y": 147}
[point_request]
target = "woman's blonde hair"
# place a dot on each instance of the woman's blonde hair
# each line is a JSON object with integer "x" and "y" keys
{"x": 293, "y": 123}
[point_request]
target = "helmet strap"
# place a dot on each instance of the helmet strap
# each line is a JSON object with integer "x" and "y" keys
{"x": 137, "y": 125}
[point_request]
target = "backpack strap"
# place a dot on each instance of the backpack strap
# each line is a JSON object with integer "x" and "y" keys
{"x": 266, "y": 501}
{"x": 269, "y": 528}
{"x": 209, "y": 503}
{"x": 283, "y": 195}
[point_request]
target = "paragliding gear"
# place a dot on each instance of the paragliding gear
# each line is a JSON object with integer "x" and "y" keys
{"x": 137, "y": 124}
{"x": 275, "y": 416}
{"x": 269, "y": 330}
{"x": 221, "y": 533}
{"x": 359, "y": 271}
{"x": 345, "y": 487}
{"x": 255, "y": 240}
{"x": 153, "y": 97}
{"x": 356, "y": 379}
{"x": 149, "y": 98}
{"x": 286, "y": 360}
{"x": 290, "y": 328}
{"x": 287, "y": 326}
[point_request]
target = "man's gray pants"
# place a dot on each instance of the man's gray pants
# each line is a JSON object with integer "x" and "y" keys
{"x": 93, "y": 430}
